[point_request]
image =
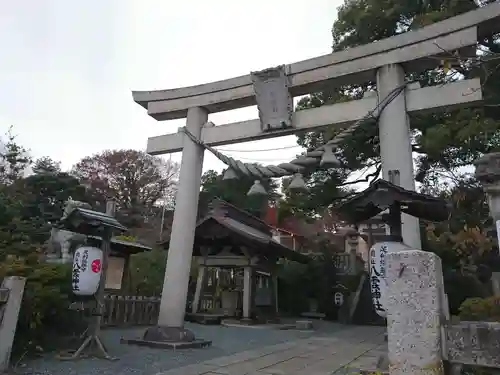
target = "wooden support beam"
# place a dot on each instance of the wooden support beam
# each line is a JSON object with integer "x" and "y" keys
{"x": 226, "y": 261}
{"x": 427, "y": 99}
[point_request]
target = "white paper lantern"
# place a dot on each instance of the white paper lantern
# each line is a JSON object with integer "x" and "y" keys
{"x": 87, "y": 268}
{"x": 378, "y": 265}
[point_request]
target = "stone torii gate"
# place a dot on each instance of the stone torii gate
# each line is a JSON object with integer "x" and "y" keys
{"x": 384, "y": 61}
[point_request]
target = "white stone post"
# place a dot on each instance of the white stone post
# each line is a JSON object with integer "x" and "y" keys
{"x": 8, "y": 322}
{"x": 175, "y": 285}
{"x": 414, "y": 313}
{"x": 200, "y": 283}
{"x": 395, "y": 143}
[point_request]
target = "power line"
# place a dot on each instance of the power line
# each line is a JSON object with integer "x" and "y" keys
{"x": 296, "y": 165}
{"x": 262, "y": 160}
{"x": 261, "y": 150}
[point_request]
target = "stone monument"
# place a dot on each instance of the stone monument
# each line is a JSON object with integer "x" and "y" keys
{"x": 62, "y": 241}
{"x": 414, "y": 313}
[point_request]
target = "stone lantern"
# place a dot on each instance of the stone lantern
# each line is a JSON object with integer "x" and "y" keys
{"x": 488, "y": 174}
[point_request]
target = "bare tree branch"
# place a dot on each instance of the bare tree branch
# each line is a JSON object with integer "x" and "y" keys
{"x": 374, "y": 175}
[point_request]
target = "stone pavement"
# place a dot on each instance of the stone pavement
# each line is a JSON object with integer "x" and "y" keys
{"x": 329, "y": 341}
{"x": 349, "y": 351}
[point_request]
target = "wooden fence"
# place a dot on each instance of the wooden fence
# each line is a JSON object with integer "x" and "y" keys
{"x": 207, "y": 303}
{"x": 122, "y": 311}
{"x": 130, "y": 311}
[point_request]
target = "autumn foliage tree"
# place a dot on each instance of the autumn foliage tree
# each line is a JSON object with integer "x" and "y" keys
{"x": 136, "y": 180}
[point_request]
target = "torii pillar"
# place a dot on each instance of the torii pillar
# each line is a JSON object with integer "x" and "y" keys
{"x": 395, "y": 144}
{"x": 170, "y": 329}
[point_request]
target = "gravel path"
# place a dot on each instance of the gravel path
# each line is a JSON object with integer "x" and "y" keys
{"x": 147, "y": 361}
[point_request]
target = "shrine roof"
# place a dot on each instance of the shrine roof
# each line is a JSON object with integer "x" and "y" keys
{"x": 221, "y": 208}
{"x": 124, "y": 247}
{"x": 262, "y": 244}
{"x": 250, "y": 230}
{"x": 91, "y": 224}
{"x": 381, "y": 194}
{"x": 82, "y": 220}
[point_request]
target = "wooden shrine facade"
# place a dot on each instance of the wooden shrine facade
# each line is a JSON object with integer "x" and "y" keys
{"x": 242, "y": 250}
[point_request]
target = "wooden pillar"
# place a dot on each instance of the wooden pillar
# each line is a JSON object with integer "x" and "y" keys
{"x": 126, "y": 276}
{"x": 274, "y": 291}
{"x": 200, "y": 281}
{"x": 248, "y": 292}
{"x": 95, "y": 325}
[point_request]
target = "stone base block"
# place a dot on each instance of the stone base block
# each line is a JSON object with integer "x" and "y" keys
{"x": 371, "y": 372}
{"x": 170, "y": 334}
{"x": 168, "y": 338}
{"x": 207, "y": 319}
{"x": 304, "y": 324}
{"x": 383, "y": 362}
{"x": 273, "y": 320}
{"x": 368, "y": 365}
{"x": 313, "y": 315}
{"x": 248, "y": 321}
{"x": 195, "y": 344}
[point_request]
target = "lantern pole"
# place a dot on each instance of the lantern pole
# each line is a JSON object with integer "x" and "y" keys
{"x": 93, "y": 341}
{"x": 105, "y": 247}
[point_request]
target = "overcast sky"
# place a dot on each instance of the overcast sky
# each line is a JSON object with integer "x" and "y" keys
{"x": 68, "y": 67}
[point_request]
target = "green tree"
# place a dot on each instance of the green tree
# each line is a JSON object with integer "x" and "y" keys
{"x": 14, "y": 159}
{"x": 16, "y": 231}
{"x": 443, "y": 142}
{"x": 469, "y": 206}
{"x": 43, "y": 196}
{"x": 364, "y": 21}
{"x": 463, "y": 239}
{"x": 147, "y": 271}
{"x": 46, "y": 165}
{"x": 235, "y": 191}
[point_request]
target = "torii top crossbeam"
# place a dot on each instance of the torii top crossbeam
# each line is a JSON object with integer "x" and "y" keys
{"x": 358, "y": 64}
{"x": 415, "y": 51}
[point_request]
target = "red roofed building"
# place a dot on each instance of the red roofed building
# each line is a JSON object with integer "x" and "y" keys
{"x": 296, "y": 233}
{"x": 291, "y": 232}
